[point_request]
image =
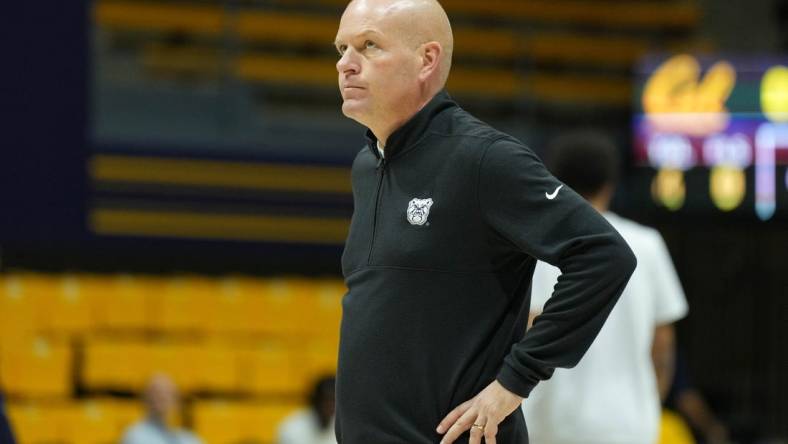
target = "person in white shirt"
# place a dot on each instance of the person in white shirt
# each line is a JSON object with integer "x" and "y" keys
{"x": 613, "y": 395}
{"x": 315, "y": 424}
{"x": 161, "y": 399}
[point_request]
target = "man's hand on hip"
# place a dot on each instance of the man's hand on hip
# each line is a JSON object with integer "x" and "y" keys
{"x": 481, "y": 415}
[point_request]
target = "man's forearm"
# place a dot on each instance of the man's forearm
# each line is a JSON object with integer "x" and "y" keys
{"x": 663, "y": 354}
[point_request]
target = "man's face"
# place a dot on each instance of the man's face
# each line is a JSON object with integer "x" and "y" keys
{"x": 162, "y": 398}
{"x": 378, "y": 68}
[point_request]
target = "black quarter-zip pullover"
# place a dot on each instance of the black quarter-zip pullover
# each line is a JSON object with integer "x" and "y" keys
{"x": 444, "y": 238}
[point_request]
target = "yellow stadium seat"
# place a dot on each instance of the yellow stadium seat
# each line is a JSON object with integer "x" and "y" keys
{"x": 36, "y": 424}
{"x": 122, "y": 302}
{"x": 270, "y": 369}
{"x": 206, "y": 20}
{"x": 115, "y": 365}
{"x": 323, "y": 309}
{"x": 125, "y": 412}
{"x": 36, "y": 368}
{"x": 227, "y": 311}
{"x": 276, "y": 306}
{"x": 174, "y": 306}
{"x": 177, "y": 360}
{"x": 215, "y": 368}
{"x": 128, "y": 364}
{"x": 219, "y": 422}
{"x": 673, "y": 429}
{"x": 20, "y": 310}
{"x": 98, "y": 421}
{"x": 486, "y": 42}
{"x": 40, "y": 303}
{"x": 321, "y": 359}
{"x": 68, "y": 308}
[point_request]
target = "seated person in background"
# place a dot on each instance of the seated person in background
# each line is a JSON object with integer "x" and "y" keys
{"x": 687, "y": 401}
{"x": 161, "y": 400}
{"x": 5, "y": 429}
{"x": 613, "y": 395}
{"x": 315, "y": 424}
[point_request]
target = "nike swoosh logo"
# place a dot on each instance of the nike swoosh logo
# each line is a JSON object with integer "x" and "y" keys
{"x": 552, "y": 195}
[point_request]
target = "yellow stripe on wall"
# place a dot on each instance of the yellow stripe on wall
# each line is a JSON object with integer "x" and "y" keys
{"x": 210, "y": 173}
{"x": 123, "y": 222}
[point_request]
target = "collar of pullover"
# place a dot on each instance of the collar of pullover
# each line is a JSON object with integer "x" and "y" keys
{"x": 412, "y": 131}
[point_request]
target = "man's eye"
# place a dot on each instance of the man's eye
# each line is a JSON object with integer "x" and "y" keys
{"x": 370, "y": 44}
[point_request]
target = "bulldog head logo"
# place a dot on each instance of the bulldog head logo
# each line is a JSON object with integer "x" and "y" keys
{"x": 419, "y": 211}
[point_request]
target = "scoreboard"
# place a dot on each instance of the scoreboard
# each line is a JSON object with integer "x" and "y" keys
{"x": 727, "y": 117}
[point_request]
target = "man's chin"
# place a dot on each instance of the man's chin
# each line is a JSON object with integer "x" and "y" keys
{"x": 353, "y": 110}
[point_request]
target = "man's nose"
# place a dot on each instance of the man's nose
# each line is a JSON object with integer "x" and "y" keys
{"x": 348, "y": 63}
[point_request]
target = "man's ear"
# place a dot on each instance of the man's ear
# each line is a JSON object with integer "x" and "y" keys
{"x": 431, "y": 53}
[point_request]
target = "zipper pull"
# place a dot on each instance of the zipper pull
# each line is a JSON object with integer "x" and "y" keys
{"x": 381, "y": 163}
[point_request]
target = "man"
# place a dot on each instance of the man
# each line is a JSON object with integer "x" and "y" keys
{"x": 315, "y": 424}
{"x": 161, "y": 399}
{"x": 613, "y": 395}
{"x": 449, "y": 218}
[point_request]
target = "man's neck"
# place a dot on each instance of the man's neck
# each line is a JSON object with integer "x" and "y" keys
{"x": 382, "y": 132}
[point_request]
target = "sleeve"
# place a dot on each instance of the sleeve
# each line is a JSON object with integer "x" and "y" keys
{"x": 524, "y": 204}
{"x": 671, "y": 304}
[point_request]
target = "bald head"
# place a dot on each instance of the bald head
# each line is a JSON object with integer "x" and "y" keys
{"x": 161, "y": 396}
{"x": 395, "y": 55}
{"x": 416, "y": 22}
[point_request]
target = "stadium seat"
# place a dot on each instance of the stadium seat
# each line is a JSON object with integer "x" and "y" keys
{"x": 36, "y": 368}
{"x": 167, "y": 61}
{"x": 276, "y": 306}
{"x": 640, "y": 13}
{"x": 227, "y": 310}
{"x": 673, "y": 429}
{"x": 215, "y": 368}
{"x": 123, "y": 302}
{"x": 271, "y": 369}
{"x": 322, "y": 308}
{"x": 36, "y": 424}
{"x": 601, "y": 90}
{"x": 153, "y": 16}
{"x": 498, "y": 43}
{"x": 100, "y": 421}
{"x": 40, "y": 303}
{"x": 177, "y": 308}
{"x": 115, "y": 365}
{"x": 68, "y": 308}
{"x": 20, "y": 310}
{"x": 92, "y": 421}
{"x": 318, "y": 358}
{"x": 127, "y": 364}
{"x": 224, "y": 422}
{"x": 577, "y": 48}
{"x": 286, "y": 27}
